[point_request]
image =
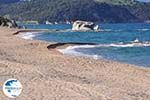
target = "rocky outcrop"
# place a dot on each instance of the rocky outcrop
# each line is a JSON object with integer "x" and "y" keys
{"x": 84, "y": 26}
{"x": 7, "y": 23}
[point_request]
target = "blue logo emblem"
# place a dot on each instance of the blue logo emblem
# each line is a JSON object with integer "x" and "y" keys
{"x": 12, "y": 88}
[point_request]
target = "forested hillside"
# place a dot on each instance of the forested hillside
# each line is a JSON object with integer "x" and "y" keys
{"x": 8, "y": 1}
{"x": 119, "y": 2}
{"x": 114, "y": 11}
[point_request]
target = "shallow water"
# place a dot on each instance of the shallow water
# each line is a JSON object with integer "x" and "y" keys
{"x": 114, "y": 42}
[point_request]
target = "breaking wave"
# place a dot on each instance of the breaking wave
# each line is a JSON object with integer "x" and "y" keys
{"x": 121, "y": 44}
{"x": 73, "y": 50}
{"x": 143, "y": 29}
{"x": 124, "y": 30}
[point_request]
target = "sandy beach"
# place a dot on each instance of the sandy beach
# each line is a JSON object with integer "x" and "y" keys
{"x": 48, "y": 75}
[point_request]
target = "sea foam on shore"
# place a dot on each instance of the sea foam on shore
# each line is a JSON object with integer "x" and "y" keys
{"x": 71, "y": 50}
{"x": 118, "y": 52}
{"x": 27, "y": 35}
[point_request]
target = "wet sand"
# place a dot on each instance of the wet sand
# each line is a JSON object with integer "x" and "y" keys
{"x": 48, "y": 75}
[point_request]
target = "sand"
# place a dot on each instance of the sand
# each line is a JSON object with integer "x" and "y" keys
{"x": 48, "y": 75}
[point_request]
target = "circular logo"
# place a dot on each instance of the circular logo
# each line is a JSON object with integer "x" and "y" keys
{"x": 12, "y": 88}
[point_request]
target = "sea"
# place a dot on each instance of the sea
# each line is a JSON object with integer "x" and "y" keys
{"x": 126, "y": 43}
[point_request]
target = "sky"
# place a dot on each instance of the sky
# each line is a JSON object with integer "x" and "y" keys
{"x": 144, "y": 0}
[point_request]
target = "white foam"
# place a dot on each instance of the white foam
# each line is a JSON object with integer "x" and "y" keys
{"x": 27, "y": 35}
{"x": 71, "y": 51}
{"x": 112, "y": 30}
{"x": 144, "y": 29}
{"x": 145, "y": 44}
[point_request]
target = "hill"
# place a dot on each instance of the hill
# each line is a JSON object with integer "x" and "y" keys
{"x": 118, "y": 2}
{"x": 114, "y": 11}
{"x": 12, "y": 1}
{"x": 8, "y": 1}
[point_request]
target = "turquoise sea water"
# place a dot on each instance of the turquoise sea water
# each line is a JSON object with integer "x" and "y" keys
{"x": 113, "y": 43}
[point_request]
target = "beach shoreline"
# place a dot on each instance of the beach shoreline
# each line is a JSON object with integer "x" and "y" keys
{"x": 45, "y": 73}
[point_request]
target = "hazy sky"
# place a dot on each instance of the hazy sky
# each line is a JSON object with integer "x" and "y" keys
{"x": 145, "y": 0}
